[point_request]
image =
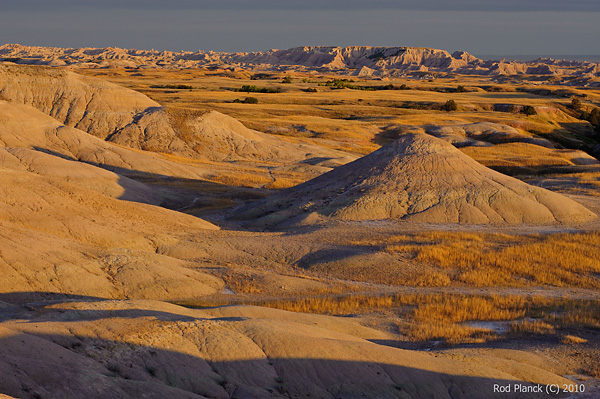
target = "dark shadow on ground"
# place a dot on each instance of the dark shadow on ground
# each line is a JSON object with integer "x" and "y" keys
{"x": 176, "y": 362}
{"x": 193, "y": 196}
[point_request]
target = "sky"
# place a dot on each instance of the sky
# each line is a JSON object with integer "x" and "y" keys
{"x": 502, "y": 27}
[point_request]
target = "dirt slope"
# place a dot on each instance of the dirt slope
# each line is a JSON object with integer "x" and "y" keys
{"x": 133, "y": 348}
{"x": 419, "y": 178}
{"x": 92, "y": 105}
{"x": 126, "y": 117}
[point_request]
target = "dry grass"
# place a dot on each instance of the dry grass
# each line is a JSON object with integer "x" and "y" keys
{"x": 179, "y": 119}
{"x": 499, "y": 259}
{"x": 446, "y": 317}
{"x": 586, "y": 183}
{"x": 573, "y": 339}
{"x": 521, "y": 157}
{"x": 338, "y": 305}
{"x": 262, "y": 180}
{"x": 244, "y": 283}
{"x": 346, "y": 119}
{"x": 461, "y": 308}
{"x": 594, "y": 370}
{"x": 537, "y": 327}
{"x": 449, "y": 333}
{"x": 241, "y": 179}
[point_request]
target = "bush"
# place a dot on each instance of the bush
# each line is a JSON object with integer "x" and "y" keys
{"x": 250, "y": 100}
{"x": 256, "y": 89}
{"x": 311, "y": 90}
{"x": 450, "y": 105}
{"x": 529, "y": 110}
{"x": 461, "y": 89}
{"x": 260, "y": 76}
{"x": 595, "y": 117}
{"x": 287, "y": 79}
{"x": 178, "y": 87}
{"x": 576, "y": 103}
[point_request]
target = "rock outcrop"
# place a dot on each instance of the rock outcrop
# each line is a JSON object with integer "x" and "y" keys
{"x": 379, "y": 61}
{"x": 417, "y": 178}
{"x": 150, "y": 349}
{"x": 126, "y": 117}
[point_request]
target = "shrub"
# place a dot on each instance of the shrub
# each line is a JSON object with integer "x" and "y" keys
{"x": 576, "y": 103}
{"x": 287, "y": 79}
{"x": 461, "y": 89}
{"x": 529, "y": 110}
{"x": 178, "y": 87}
{"x": 250, "y": 100}
{"x": 595, "y": 117}
{"x": 450, "y": 105}
{"x": 258, "y": 76}
{"x": 311, "y": 90}
{"x": 256, "y": 89}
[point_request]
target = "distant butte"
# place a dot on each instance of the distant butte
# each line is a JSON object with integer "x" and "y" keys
{"x": 354, "y": 61}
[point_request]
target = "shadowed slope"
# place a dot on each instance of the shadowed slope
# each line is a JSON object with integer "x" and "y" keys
{"x": 62, "y": 230}
{"x": 418, "y": 178}
{"x": 155, "y": 350}
{"x": 22, "y": 126}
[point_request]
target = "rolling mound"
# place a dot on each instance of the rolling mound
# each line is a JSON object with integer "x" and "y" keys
{"x": 128, "y": 118}
{"x": 132, "y": 349}
{"x": 70, "y": 226}
{"x": 22, "y": 126}
{"x": 92, "y": 105}
{"x": 418, "y": 178}
{"x": 67, "y": 227}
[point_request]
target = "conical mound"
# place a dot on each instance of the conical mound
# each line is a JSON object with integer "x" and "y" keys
{"x": 419, "y": 178}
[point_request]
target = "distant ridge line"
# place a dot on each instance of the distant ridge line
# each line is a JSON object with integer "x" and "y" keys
{"x": 361, "y": 61}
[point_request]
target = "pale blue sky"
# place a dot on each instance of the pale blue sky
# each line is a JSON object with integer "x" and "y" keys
{"x": 480, "y": 27}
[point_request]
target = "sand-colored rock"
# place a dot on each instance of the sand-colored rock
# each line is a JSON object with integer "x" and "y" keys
{"x": 72, "y": 228}
{"x": 483, "y": 133}
{"x": 131, "y": 119}
{"x": 418, "y": 178}
{"x": 388, "y": 61}
{"x": 69, "y": 226}
{"x": 22, "y": 126}
{"x": 92, "y": 105}
{"x": 131, "y": 349}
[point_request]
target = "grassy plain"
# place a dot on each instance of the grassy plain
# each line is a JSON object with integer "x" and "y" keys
{"x": 358, "y": 122}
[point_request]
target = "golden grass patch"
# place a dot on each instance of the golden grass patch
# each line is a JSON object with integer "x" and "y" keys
{"x": 573, "y": 339}
{"x": 563, "y": 259}
{"x": 531, "y": 327}
{"x": 451, "y": 318}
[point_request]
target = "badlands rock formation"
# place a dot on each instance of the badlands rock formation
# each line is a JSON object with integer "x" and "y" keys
{"x": 483, "y": 134}
{"x": 418, "y": 178}
{"x": 126, "y": 117}
{"x": 89, "y": 104}
{"x": 22, "y": 126}
{"x": 65, "y": 227}
{"x": 133, "y": 349}
{"x": 357, "y": 60}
